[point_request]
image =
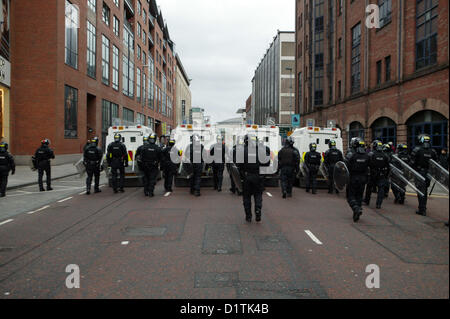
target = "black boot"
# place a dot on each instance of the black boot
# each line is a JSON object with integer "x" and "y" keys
{"x": 88, "y": 191}
{"x": 258, "y": 215}
{"x": 284, "y": 194}
{"x": 356, "y": 213}
{"x": 49, "y": 188}
{"x": 2, "y": 195}
{"x": 421, "y": 212}
{"x": 97, "y": 190}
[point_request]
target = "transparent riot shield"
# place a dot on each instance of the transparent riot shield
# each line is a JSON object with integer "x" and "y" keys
{"x": 81, "y": 169}
{"x": 32, "y": 163}
{"x": 323, "y": 170}
{"x": 410, "y": 175}
{"x": 399, "y": 181}
{"x": 341, "y": 176}
{"x": 234, "y": 171}
{"x": 439, "y": 174}
{"x": 304, "y": 169}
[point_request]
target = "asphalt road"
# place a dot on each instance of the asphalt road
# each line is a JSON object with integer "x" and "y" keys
{"x": 179, "y": 246}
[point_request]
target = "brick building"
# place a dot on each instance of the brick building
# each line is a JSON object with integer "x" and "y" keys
{"x": 184, "y": 95}
{"x": 389, "y": 83}
{"x": 87, "y": 65}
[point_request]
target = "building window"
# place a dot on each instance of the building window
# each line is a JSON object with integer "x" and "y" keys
{"x": 340, "y": 48}
{"x": 356, "y": 59}
{"x": 151, "y": 87}
{"x": 138, "y": 85}
{"x": 117, "y": 3}
{"x": 385, "y": 12}
{"x": 128, "y": 116}
{"x": 115, "y": 68}
{"x": 138, "y": 52}
{"x": 139, "y": 7}
{"x": 110, "y": 116}
{"x": 139, "y": 30}
{"x": 340, "y": 6}
{"x": 144, "y": 37}
{"x": 105, "y": 60}
{"x": 144, "y": 16}
{"x": 128, "y": 64}
{"x": 140, "y": 119}
{"x": 339, "y": 89}
{"x": 91, "y": 50}
{"x": 71, "y": 40}
{"x": 92, "y": 5}
{"x": 426, "y": 32}
{"x": 70, "y": 112}
{"x": 300, "y": 53}
{"x": 300, "y": 93}
{"x": 387, "y": 62}
{"x": 106, "y": 13}
{"x": 378, "y": 72}
{"x": 116, "y": 26}
{"x": 144, "y": 89}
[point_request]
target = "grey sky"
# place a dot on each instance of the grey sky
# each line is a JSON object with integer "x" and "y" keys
{"x": 221, "y": 42}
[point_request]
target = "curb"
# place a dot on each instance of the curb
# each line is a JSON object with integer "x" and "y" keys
{"x": 36, "y": 182}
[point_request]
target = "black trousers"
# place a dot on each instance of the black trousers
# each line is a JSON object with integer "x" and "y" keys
{"x": 331, "y": 187}
{"x": 169, "y": 175}
{"x": 118, "y": 179}
{"x": 399, "y": 194}
{"x": 311, "y": 178}
{"x": 218, "y": 175}
{"x": 252, "y": 186}
{"x": 233, "y": 186}
{"x": 48, "y": 174}
{"x": 196, "y": 178}
{"x": 150, "y": 176}
{"x": 355, "y": 190}
{"x": 3, "y": 183}
{"x": 92, "y": 171}
{"x": 379, "y": 183}
{"x": 423, "y": 187}
{"x": 287, "y": 175}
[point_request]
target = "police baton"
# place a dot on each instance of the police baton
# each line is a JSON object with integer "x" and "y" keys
{"x": 432, "y": 188}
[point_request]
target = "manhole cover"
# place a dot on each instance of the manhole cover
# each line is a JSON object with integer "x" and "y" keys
{"x": 145, "y": 231}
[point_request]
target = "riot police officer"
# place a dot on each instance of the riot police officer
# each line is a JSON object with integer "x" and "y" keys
{"x": 250, "y": 174}
{"x": 117, "y": 158}
{"x": 289, "y": 161}
{"x": 420, "y": 158}
{"x": 150, "y": 156}
{"x": 312, "y": 163}
{"x": 195, "y": 154}
{"x": 399, "y": 194}
{"x": 92, "y": 158}
{"x": 388, "y": 149}
{"x": 236, "y": 159}
{"x": 357, "y": 161}
{"x": 7, "y": 164}
{"x": 218, "y": 151}
{"x": 170, "y": 163}
{"x": 331, "y": 157}
{"x": 41, "y": 161}
{"x": 379, "y": 173}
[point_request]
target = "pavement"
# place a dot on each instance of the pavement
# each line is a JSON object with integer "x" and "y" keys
{"x": 24, "y": 176}
{"x": 175, "y": 245}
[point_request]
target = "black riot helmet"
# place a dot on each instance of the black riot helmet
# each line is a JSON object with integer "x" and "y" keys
{"x": 3, "y": 147}
{"x": 332, "y": 144}
{"x": 152, "y": 138}
{"x": 95, "y": 141}
{"x": 171, "y": 142}
{"x": 117, "y": 138}
{"x": 402, "y": 149}
{"x": 45, "y": 142}
{"x": 387, "y": 148}
{"x": 425, "y": 140}
{"x": 312, "y": 147}
{"x": 377, "y": 146}
{"x": 145, "y": 139}
{"x": 358, "y": 145}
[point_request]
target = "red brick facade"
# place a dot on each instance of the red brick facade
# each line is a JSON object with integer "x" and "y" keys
{"x": 39, "y": 71}
{"x": 409, "y": 90}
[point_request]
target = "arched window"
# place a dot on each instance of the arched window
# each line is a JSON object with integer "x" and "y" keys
{"x": 355, "y": 129}
{"x": 385, "y": 130}
{"x": 428, "y": 122}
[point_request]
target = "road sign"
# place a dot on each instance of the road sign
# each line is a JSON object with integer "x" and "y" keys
{"x": 295, "y": 120}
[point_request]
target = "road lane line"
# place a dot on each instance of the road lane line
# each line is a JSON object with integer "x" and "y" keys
{"x": 314, "y": 238}
{"x": 63, "y": 200}
{"x": 6, "y": 221}
{"x": 82, "y": 193}
{"x": 124, "y": 243}
{"x": 38, "y": 210}
{"x": 167, "y": 194}
{"x": 269, "y": 194}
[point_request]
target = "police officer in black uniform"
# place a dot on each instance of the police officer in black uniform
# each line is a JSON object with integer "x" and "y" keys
{"x": 92, "y": 159}
{"x": 117, "y": 158}
{"x": 312, "y": 163}
{"x": 7, "y": 164}
{"x": 403, "y": 154}
{"x": 420, "y": 160}
{"x": 218, "y": 151}
{"x": 388, "y": 149}
{"x": 170, "y": 163}
{"x": 288, "y": 161}
{"x": 41, "y": 161}
{"x": 357, "y": 161}
{"x": 379, "y": 173}
{"x": 250, "y": 174}
{"x": 195, "y": 154}
{"x": 331, "y": 157}
{"x": 235, "y": 158}
{"x": 150, "y": 156}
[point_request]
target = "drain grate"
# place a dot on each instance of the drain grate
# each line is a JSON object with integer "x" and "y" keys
{"x": 145, "y": 231}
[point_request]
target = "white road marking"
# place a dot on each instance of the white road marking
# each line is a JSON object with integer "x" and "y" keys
{"x": 6, "y": 221}
{"x": 82, "y": 193}
{"x": 314, "y": 238}
{"x": 38, "y": 210}
{"x": 167, "y": 194}
{"x": 269, "y": 194}
{"x": 124, "y": 243}
{"x": 63, "y": 200}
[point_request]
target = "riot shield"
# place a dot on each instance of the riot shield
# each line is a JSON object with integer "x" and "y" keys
{"x": 438, "y": 173}
{"x": 186, "y": 169}
{"x": 399, "y": 181}
{"x": 236, "y": 176}
{"x": 140, "y": 169}
{"x": 341, "y": 176}
{"x": 323, "y": 170}
{"x": 304, "y": 169}
{"x": 411, "y": 176}
{"x": 31, "y": 163}
{"x": 81, "y": 169}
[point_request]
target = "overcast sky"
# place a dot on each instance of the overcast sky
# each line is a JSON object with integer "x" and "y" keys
{"x": 221, "y": 42}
